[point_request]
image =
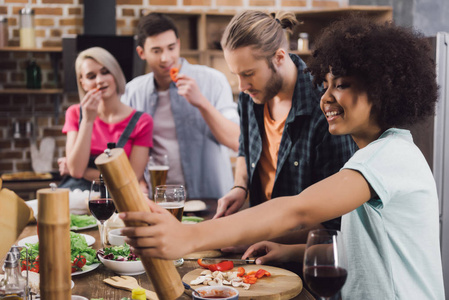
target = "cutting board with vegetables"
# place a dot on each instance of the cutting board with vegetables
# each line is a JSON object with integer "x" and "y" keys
{"x": 282, "y": 284}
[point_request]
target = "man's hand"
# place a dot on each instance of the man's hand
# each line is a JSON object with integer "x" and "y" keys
{"x": 63, "y": 169}
{"x": 230, "y": 203}
{"x": 188, "y": 88}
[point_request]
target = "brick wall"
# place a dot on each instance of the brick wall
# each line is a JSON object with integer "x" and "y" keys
{"x": 54, "y": 18}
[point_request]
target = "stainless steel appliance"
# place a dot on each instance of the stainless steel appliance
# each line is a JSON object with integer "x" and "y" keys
{"x": 440, "y": 161}
{"x": 432, "y": 137}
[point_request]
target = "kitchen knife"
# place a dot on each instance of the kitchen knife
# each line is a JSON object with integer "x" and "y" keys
{"x": 219, "y": 259}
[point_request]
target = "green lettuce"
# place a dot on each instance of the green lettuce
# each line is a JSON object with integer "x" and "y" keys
{"x": 80, "y": 221}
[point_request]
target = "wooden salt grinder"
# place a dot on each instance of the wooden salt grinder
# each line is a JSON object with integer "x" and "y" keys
{"x": 122, "y": 184}
{"x": 54, "y": 243}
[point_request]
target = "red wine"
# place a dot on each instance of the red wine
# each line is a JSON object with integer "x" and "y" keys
{"x": 102, "y": 209}
{"x": 325, "y": 281}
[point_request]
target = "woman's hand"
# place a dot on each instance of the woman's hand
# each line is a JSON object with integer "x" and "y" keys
{"x": 62, "y": 163}
{"x": 165, "y": 238}
{"x": 89, "y": 104}
{"x": 273, "y": 252}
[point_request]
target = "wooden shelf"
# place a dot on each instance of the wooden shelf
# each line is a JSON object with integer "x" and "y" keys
{"x": 25, "y": 91}
{"x": 19, "y": 49}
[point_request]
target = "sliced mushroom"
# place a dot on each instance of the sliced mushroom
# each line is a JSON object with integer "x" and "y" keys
{"x": 198, "y": 280}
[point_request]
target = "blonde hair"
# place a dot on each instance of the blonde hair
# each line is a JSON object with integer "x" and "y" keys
{"x": 261, "y": 31}
{"x": 104, "y": 58}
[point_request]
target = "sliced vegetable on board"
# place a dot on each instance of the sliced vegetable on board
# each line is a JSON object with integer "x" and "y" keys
{"x": 221, "y": 266}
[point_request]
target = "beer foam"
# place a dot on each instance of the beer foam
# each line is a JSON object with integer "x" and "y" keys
{"x": 171, "y": 205}
{"x": 158, "y": 168}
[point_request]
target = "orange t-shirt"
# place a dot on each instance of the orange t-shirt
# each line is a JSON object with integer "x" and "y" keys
{"x": 271, "y": 142}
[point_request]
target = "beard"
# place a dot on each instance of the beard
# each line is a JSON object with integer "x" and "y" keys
{"x": 274, "y": 85}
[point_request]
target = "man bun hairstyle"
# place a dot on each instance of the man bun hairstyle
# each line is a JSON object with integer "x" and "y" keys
{"x": 262, "y": 31}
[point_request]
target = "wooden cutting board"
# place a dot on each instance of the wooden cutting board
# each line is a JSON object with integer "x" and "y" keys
{"x": 205, "y": 254}
{"x": 282, "y": 284}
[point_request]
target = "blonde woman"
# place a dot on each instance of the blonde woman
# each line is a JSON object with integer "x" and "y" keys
{"x": 101, "y": 118}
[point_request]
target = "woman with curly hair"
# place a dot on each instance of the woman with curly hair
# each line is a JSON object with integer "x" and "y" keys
{"x": 377, "y": 79}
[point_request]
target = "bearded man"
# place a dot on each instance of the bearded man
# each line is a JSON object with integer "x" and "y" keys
{"x": 284, "y": 145}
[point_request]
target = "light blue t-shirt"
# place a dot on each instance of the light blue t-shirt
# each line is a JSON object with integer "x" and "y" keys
{"x": 205, "y": 162}
{"x": 392, "y": 241}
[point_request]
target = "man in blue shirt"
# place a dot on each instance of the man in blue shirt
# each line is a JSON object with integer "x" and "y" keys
{"x": 195, "y": 118}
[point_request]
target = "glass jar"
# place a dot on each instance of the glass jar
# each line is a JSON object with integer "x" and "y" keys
{"x": 3, "y": 31}
{"x": 13, "y": 284}
{"x": 303, "y": 42}
{"x": 27, "y": 32}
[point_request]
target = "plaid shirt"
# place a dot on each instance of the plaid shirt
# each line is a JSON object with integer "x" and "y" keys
{"x": 308, "y": 153}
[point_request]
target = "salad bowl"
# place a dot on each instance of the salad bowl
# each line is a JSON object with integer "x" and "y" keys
{"x": 120, "y": 260}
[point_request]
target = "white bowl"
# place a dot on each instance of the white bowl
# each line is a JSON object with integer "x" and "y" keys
{"x": 123, "y": 267}
{"x": 225, "y": 292}
{"x": 115, "y": 238}
{"x": 76, "y": 297}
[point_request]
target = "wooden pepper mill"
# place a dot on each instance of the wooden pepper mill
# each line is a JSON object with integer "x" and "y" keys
{"x": 124, "y": 188}
{"x": 54, "y": 243}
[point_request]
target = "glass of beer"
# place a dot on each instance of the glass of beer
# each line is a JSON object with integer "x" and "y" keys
{"x": 158, "y": 170}
{"x": 172, "y": 198}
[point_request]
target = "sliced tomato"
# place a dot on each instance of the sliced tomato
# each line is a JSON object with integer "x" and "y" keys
{"x": 241, "y": 271}
{"x": 174, "y": 74}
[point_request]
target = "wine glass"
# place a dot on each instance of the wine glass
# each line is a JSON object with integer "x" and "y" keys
{"x": 100, "y": 205}
{"x": 158, "y": 169}
{"x": 325, "y": 263}
{"x": 172, "y": 198}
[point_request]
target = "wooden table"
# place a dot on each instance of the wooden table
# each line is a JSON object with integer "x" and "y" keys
{"x": 91, "y": 284}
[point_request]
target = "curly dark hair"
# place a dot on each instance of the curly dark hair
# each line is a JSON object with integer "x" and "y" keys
{"x": 392, "y": 62}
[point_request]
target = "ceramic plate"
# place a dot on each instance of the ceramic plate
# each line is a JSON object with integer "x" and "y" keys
{"x": 194, "y": 206}
{"x": 86, "y": 269}
{"x": 33, "y": 205}
{"x": 92, "y": 218}
{"x": 83, "y": 228}
{"x": 34, "y": 239}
